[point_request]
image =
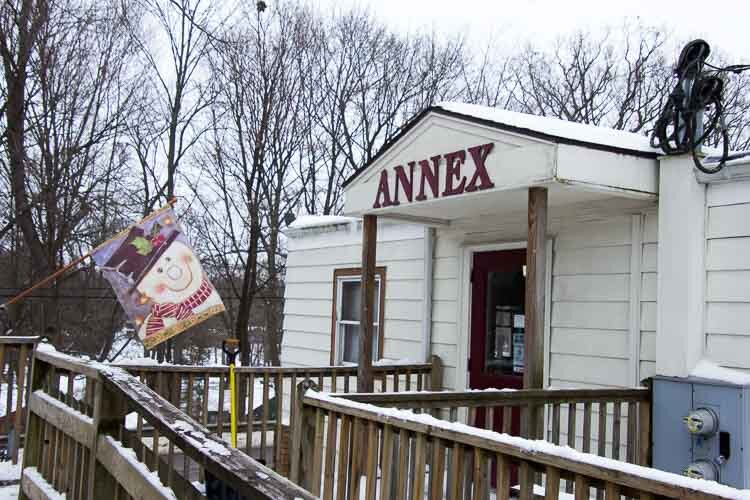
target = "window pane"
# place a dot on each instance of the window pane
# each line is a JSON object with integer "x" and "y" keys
{"x": 350, "y": 334}
{"x": 350, "y": 346}
{"x": 351, "y": 300}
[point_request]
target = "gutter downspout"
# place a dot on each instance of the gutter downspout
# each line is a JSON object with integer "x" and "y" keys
{"x": 429, "y": 250}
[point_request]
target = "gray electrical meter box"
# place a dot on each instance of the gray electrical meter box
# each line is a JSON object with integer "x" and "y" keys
{"x": 701, "y": 428}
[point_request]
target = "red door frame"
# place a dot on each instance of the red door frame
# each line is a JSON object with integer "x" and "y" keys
{"x": 483, "y": 263}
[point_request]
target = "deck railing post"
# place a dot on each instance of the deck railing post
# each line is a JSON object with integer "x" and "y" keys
{"x": 34, "y": 430}
{"x": 436, "y": 373}
{"x": 644, "y": 430}
{"x": 109, "y": 417}
{"x": 303, "y": 437}
{"x": 21, "y": 383}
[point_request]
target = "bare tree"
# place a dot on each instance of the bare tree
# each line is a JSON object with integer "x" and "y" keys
{"x": 169, "y": 122}
{"x": 370, "y": 81}
{"x": 618, "y": 79}
{"x": 67, "y": 66}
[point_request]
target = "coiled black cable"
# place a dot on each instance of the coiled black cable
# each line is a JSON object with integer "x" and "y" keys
{"x": 696, "y": 91}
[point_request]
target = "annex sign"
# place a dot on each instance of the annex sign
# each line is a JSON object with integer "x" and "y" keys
{"x": 464, "y": 171}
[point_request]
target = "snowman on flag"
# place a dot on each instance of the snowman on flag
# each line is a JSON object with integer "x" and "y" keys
{"x": 158, "y": 278}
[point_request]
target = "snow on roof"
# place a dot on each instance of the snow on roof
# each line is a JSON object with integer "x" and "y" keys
{"x": 554, "y": 127}
{"x": 709, "y": 370}
{"x": 308, "y": 221}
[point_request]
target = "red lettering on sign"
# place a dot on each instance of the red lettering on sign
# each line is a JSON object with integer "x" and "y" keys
{"x": 404, "y": 182}
{"x": 430, "y": 175}
{"x": 383, "y": 190}
{"x": 453, "y": 162}
{"x": 479, "y": 155}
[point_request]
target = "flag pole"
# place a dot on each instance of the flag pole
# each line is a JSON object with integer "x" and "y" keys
{"x": 77, "y": 261}
{"x": 231, "y": 348}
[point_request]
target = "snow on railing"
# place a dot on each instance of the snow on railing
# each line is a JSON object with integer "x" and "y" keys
{"x": 266, "y": 395}
{"x": 425, "y": 455}
{"x": 15, "y": 367}
{"x": 81, "y": 446}
{"x": 608, "y": 422}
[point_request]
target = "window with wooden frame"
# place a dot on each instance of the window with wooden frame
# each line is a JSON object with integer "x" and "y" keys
{"x": 347, "y": 308}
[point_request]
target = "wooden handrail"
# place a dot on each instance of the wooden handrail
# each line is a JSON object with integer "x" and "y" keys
{"x": 271, "y": 391}
{"x": 85, "y": 455}
{"x": 15, "y": 366}
{"x": 340, "y": 420}
{"x": 472, "y": 399}
{"x": 244, "y": 474}
{"x": 18, "y": 340}
{"x": 313, "y": 370}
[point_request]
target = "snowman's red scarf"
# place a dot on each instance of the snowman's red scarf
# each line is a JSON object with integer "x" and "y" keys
{"x": 179, "y": 311}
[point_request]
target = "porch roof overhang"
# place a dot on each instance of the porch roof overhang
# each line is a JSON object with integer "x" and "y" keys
{"x": 455, "y": 161}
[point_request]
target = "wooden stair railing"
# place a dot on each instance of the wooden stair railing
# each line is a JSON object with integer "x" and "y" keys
{"x": 15, "y": 366}
{"x": 348, "y": 449}
{"x": 82, "y": 441}
{"x": 274, "y": 388}
{"x": 615, "y": 423}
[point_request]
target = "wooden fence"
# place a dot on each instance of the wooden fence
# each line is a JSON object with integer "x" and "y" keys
{"x": 267, "y": 393}
{"x": 83, "y": 442}
{"x": 349, "y": 449}
{"x": 15, "y": 366}
{"x": 615, "y": 423}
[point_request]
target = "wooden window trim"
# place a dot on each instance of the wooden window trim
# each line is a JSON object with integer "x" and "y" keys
{"x": 357, "y": 271}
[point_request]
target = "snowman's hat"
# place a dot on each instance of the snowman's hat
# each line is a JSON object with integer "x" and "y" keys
{"x": 138, "y": 253}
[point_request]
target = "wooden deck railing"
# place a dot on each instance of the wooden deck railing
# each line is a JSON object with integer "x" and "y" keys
{"x": 349, "y": 449}
{"x": 15, "y": 365}
{"x": 614, "y": 423}
{"x": 265, "y": 393}
{"x": 83, "y": 442}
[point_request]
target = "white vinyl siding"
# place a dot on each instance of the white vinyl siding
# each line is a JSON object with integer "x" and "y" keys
{"x": 589, "y": 331}
{"x": 445, "y": 314}
{"x": 728, "y": 274}
{"x": 315, "y": 254}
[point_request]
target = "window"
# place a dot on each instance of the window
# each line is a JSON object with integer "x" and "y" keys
{"x": 347, "y": 308}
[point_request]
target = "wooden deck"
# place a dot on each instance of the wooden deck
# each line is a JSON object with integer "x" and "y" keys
{"x": 117, "y": 434}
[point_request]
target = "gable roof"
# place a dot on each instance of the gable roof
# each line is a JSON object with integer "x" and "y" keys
{"x": 540, "y": 127}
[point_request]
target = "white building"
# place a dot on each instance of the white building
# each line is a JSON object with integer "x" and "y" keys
{"x": 646, "y": 264}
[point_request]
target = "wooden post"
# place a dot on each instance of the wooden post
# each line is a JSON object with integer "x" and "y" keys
{"x": 21, "y": 381}
{"x": 303, "y": 437}
{"x": 369, "y": 244}
{"x": 109, "y": 417}
{"x": 536, "y": 258}
{"x": 34, "y": 424}
{"x": 436, "y": 373}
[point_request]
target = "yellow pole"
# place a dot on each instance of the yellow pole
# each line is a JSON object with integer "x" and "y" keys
{"x": 233, "y": 406}
{"x": 231, "y": 348}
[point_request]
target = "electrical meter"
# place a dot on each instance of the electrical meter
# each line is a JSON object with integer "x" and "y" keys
{"x": 702, "y": 422}
{"x": 702, "y": 469}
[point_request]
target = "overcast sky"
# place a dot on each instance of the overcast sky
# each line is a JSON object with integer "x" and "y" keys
{"x": 726, "y": 26}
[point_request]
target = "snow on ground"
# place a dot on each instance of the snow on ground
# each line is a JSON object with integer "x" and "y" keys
{"x": 555, "y": 127}
{"x": 4, "y": 399}
{"x": 9, "y": 492}
{"x": 10, "y": 472}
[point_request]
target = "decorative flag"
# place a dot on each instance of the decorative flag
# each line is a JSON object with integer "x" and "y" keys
{"x": 158, "y": 278}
